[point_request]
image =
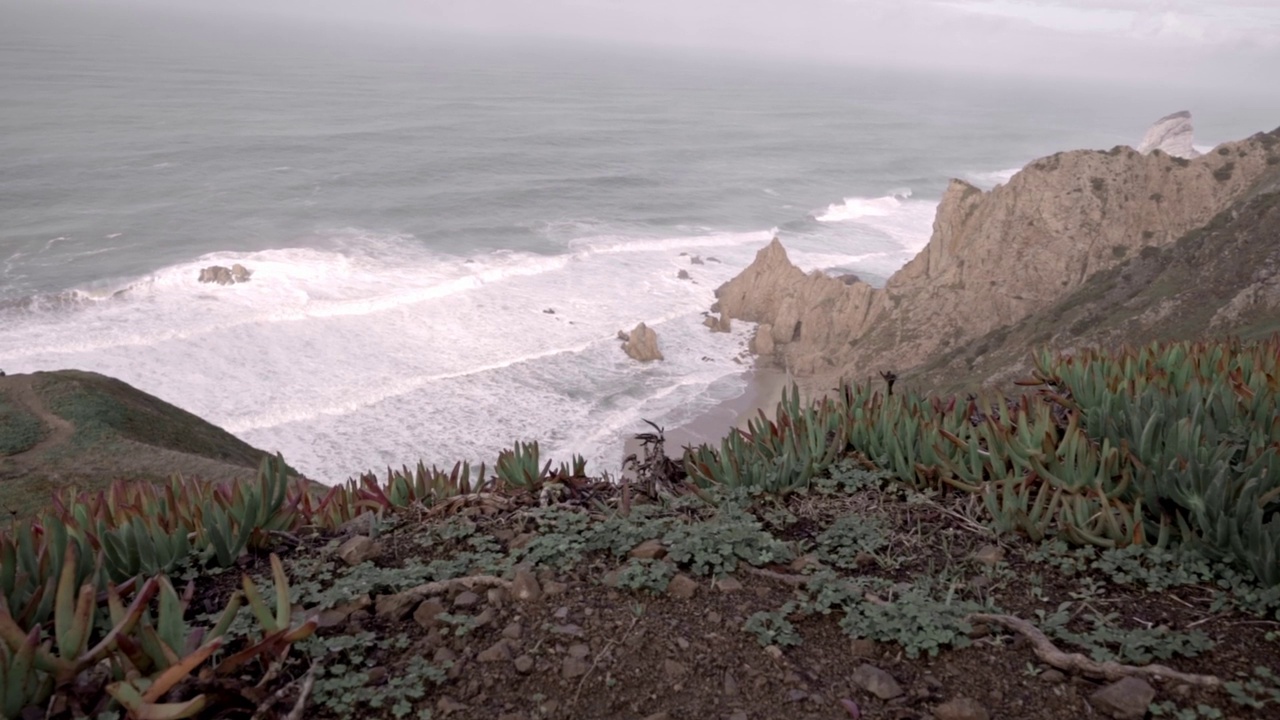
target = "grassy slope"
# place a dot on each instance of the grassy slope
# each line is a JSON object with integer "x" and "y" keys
{"x": 1169, "y": 293}
{"x": 116, "y": 431}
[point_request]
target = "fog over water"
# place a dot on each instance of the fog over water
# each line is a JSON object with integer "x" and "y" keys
{"x": 416, "y": 184}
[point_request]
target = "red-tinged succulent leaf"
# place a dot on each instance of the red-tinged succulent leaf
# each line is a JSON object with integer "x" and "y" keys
{"x": 179, "y": 671}
{"x": 303, "y": 631}
{"x": 171, "y": 711}
{"x": 270, "y": 645}
{"x": 284, "y": 611}
{"x": 258, "y": 605}
{"x": 131, "y": 617}
{"x": 852, "y": 708}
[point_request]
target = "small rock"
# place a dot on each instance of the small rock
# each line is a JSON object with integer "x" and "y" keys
{"x": 497, "y": 652}
{"x": 579, "y": 650}
{"x": 444, "y": 655}
{"x": 1125, "y": 699}
{"x": 551, "y": 588}
{"x": 683, "y": 275}
{"x": 961, "y": 708}
{"x": 729, "y": 584}
{"x": 714, "y": 617}
{"x": 674, "y": 670}
{"x": 395, "y": 607}
{"x": 427, "y": 612}
{"x": 805, "y": 561}
{"x": 773, "y": 651}
{"x": 524, "y": 664}
{"x": 990, "y": 555}
{"x": 561, "y": 613}
{"x": 568, "y": 629}
{"x": 682, "y": 587}
{"x": 521, "y": 540}
{"x": 862, "y": 647}
{"x": 447, "y": 705}
{"x": 876, "y": 681}
{"x": 649, "y": 550}
{"x": 466, "y": 599}
{"x": 573, "y": 667}
{"x": 695, "y": 260}
{"x": 525, "y": 587}
{"x": 497, "y": 597}
{"x": 549, "y": 311}
{"x": 739, "y": 715}
{"x": 658, "y": 716}
{"x": 358, "y": 549}
{"x": 513, "y": 631}
{"x": 713, "y": 259}
{"x": 796, "y": 695}
{"x": 730, "y": 688}
{"x": 485, "y": 617}
{"x": 1053, "y": 676}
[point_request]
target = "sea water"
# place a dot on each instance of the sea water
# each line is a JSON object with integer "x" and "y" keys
{"x": 446, "y": 234}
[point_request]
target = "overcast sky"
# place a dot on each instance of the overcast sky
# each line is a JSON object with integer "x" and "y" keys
{"x": 1222, "y": 42}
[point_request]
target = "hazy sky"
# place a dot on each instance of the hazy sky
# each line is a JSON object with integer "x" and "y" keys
{"x": 1224, "y": 42}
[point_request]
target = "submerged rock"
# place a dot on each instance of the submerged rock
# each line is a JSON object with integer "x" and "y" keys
{"x": 222, "y": 275}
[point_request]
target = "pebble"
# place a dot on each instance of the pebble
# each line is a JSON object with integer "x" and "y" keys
{"x": 876, "y": 681}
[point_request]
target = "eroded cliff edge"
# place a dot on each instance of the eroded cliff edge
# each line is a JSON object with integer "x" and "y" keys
{"x": 994, "y": 259}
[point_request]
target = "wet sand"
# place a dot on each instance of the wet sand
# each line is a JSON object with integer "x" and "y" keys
{"x": 764, "y": 391}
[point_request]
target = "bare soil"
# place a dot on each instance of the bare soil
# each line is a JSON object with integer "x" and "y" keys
{"x": 585, "y": 647}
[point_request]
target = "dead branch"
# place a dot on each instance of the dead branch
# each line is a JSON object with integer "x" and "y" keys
{"x": 1075, "y": 662}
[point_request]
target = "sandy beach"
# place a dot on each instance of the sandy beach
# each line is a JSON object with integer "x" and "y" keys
{"x": 764, "y": 391}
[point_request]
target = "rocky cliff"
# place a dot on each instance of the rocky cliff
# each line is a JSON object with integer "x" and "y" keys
{"x": 995, "y": 258}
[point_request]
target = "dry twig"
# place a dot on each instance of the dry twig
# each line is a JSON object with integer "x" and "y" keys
{"x": 1075, "y": 662}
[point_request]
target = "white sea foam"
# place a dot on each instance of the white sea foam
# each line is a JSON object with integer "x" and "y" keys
{"x": 900, "y": 217}
{"x": 856, "y": 208}
{"x": 383, "y": 352}
{"x": 989, "y": 179}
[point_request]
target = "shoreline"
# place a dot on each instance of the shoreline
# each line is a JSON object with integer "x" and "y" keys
{"x": 764, "y": 391}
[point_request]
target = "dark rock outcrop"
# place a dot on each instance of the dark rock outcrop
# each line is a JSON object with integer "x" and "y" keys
{"x": 222, "y": 275}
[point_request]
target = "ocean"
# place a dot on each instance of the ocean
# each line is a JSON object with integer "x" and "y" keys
{"x": 446, "y": 234}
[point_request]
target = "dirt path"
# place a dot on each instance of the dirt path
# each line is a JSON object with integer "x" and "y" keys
{"x": 20, "y": 389}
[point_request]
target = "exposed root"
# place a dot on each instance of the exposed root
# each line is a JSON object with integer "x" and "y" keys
{"x": 1075, "y": 662}
{"x": 469, "y": 582}
{"x": 264, "y": 709}
{"x": 303, "y": 694}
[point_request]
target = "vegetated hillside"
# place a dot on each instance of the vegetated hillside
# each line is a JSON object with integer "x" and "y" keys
{"x": 1220, "y": 280}
{"x": 72, "y": 427}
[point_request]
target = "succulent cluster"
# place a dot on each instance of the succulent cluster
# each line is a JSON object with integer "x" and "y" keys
{"x": 1172, "y": 442}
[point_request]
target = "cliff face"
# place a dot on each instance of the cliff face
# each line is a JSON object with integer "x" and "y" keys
{"x": 994, "y": 259}
{"x": 1218, "y": 280}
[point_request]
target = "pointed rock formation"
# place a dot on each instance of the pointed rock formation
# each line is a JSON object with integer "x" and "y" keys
{"x": 1173, "y": 135}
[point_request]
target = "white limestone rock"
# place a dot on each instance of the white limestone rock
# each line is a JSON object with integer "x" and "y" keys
{"x": 1173, "y": 135}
